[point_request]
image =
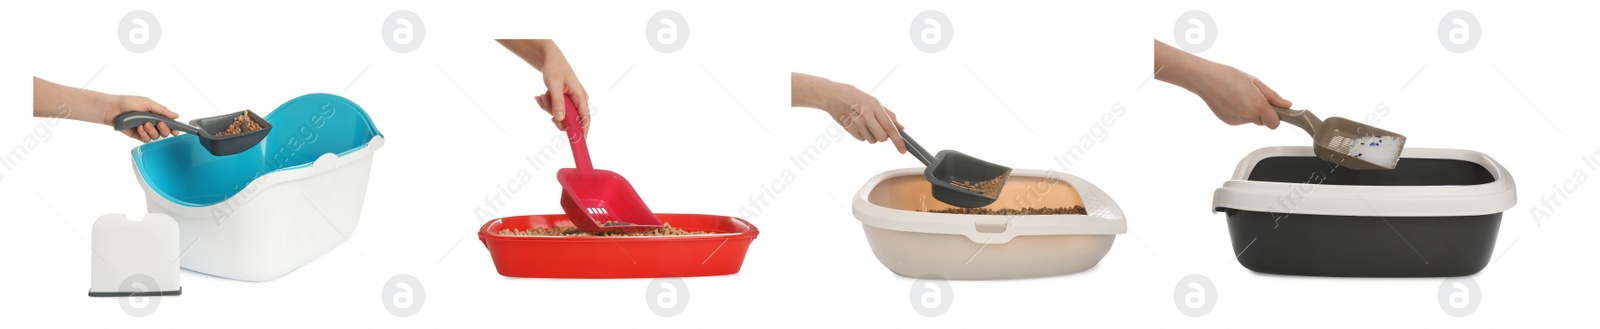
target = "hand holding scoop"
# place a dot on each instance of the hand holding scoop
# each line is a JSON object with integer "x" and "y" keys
{"x": 205, "y": 128}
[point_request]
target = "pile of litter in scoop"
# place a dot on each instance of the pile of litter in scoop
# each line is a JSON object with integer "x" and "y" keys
{"x": 241, "y": 124}
{"x": 989, "y": 188}
{"x": 1379, "y": 150}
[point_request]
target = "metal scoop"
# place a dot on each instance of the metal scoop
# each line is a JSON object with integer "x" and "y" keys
{"x": 957, "y": 177}
{"x": 1334, "y": 138}
{"x": 205, "y": 128}
{"x": 598, "y": 200}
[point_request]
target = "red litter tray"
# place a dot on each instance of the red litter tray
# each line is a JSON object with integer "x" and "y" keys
{"x": 719, "y": 252}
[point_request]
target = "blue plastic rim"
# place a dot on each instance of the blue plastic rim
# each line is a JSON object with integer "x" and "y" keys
{"x": 304, "y": 128}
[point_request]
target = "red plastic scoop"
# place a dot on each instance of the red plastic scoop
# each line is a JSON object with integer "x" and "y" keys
{"x": 598, "y": 200}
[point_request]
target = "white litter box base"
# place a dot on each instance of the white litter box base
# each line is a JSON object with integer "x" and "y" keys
{"x": 954, "y": 257}
{"x": 279, "y": 221}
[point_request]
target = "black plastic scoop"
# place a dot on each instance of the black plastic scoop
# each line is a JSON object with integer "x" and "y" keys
{"x": 205, "y": 128}
{"x": 959, "y": 179}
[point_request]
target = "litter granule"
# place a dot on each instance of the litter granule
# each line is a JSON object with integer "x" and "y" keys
{"x": 1073, "y": 210}
{"x": 665, "y": 230}
{"x": 989, "y": 188}
{"x": 1379, "y": 150}
{"x": 241, "y": 124}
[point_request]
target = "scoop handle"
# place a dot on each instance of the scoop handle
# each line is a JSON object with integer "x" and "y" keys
{"x": 575, "y": 134}
{"x": 131, "y": 119}
{"x": 1299, "y": 118}
{"x": 916, "y": 149}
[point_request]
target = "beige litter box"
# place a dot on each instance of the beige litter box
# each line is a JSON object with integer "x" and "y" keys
{"x": 915, "y": 243}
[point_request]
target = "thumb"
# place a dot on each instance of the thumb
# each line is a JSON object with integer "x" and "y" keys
{"x": 157, "y": 108}
{"x": 1269, "y": 117}
{"x": 558, "y": 104}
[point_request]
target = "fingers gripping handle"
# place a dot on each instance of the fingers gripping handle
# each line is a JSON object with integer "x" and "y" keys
{"x": 130, "y": 120}
{"x": 575, "y": 133}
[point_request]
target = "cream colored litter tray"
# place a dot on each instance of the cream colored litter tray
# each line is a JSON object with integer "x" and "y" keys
{"x": 914, "y": 243}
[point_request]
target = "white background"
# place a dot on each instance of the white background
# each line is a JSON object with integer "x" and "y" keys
{"x": 703, "y": 129}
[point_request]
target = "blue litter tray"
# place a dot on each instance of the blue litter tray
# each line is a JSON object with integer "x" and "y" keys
{"x": 182, "y": 171}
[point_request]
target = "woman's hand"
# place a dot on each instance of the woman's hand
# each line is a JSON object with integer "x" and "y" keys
{"x": 1239, "y": 98}
{"x": 855, "y": 110}
{"x": 54, "y": 100}
{"x": 559, "y": 78}
{"x": 118, "y": 104}
{"x": 1234, "y": 96}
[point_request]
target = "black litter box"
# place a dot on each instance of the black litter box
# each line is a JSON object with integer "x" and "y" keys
{"x": 1435, "y": 215}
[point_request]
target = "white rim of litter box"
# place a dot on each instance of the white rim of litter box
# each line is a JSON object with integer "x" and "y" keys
{"x": 1342, "y": 200}
{"x": 324, "y": 163}
{"x": 1104, "y": 217}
